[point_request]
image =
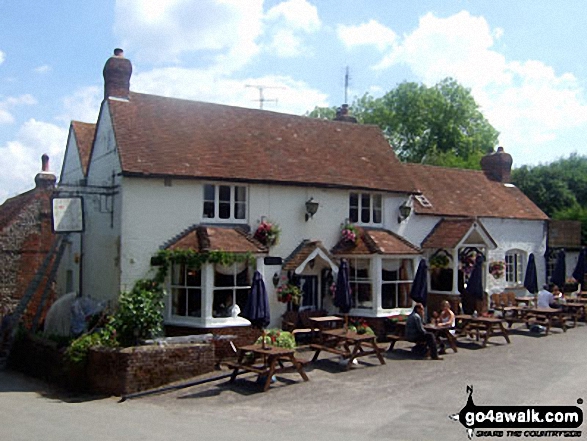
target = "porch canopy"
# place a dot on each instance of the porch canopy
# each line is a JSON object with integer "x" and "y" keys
{"x": 381, "y": 271}
{"x": 458, "y": 240}
{"x": 306, "y": 253}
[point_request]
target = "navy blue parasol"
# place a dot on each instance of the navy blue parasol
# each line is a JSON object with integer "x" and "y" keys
{"x": 475, "y": 283}
{"x": 531, "y": 276}
{"x": 559, "y": 276}
{"x": 342, "y": 295}
{"x": 581, "y": 267}
{"x": 419, "y": 291}
{"x": 257, "y": 307}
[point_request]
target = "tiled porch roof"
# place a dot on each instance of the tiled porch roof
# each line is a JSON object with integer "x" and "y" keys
{"x": 84, "y": 134}
{"x": 376, "y": 241}
{"x": 301, "y": 253}
{"x": 205, "y": 238}
{"x": 447, "y": 233}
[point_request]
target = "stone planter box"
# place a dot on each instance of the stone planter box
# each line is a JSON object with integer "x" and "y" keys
{"x": 112, "y": 371}
{"x": 129, "y": 370}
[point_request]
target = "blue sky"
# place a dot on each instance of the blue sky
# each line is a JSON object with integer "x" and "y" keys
{"x": 523, "y": 60}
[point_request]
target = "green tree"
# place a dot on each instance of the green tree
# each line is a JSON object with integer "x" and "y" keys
{"x": 439, "y": 125}
{"x": 558, "y": 188}
{"x": 322, "y": 113}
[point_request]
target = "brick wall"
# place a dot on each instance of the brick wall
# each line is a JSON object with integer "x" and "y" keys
{"x": 129, "y": 370}
{"x": 112, "y": 371}
{"x": 25, "y": 240}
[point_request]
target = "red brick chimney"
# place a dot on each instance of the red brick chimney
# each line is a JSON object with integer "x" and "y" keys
{"x": 117, "y": 72}
{"x": 342, "y": 114}
{"x": 45, "y": 179}
{"x": 497, "y": 166}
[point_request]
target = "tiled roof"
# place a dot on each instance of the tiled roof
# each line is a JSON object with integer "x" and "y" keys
{"x": 459, "y": 192}
{"x": 376, "y": 241}
{"x": 204, "y": 238}
{"x": 301, "y": 253}
{"x": 11, "y": 208}
{"x": 84, "y": 134}
{"x": 159, "y": 136}
{"x": 447, "y": 233}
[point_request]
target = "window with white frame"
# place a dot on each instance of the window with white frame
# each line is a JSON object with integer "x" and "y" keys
{"x": 186, "y": 291}
{"x": 225, "y": 202}
{"x": 514, "y": 267}
{"x": 397, "y": 276}
{"x": 231, "y": 287}
{"x": 365, "y": 208}
{"x": 361, "y": 282}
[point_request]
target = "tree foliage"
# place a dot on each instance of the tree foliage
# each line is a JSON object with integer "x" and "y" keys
{"x": 558, "y": 188}
{"x": 440, "y": 125}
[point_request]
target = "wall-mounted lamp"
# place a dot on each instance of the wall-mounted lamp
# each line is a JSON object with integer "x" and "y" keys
{"x": 404, "y": 212}
{"x": 311, "y": 208}
{"x": 275, "y": 279}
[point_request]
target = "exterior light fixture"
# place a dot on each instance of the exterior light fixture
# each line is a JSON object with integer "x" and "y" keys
{"x": 275, "y": 279}
{"x": 404, "y": 212}
{"x": 311, "y": 208}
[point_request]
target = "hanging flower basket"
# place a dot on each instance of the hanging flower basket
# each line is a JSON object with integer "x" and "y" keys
{"x": 468, "y": 262}
{"x": 350, "y": 234}
{"x": 497, "y": 268}
{"x": 439, "y": 261}
{"x": 267, "y": 233}
{"x": 289, "y": 293}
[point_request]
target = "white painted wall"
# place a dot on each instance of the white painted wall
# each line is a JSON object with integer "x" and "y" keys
{"x": 101, "y": 259}
{"x": 71, "y": 175}
{"x": 528, "y": 236}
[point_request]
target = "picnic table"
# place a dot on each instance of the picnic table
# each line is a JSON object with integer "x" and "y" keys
{"x": 486, "y": 327}
{"x": 438, "y": 331}
{"x": 549, "y": 317}
{"x": 575, "y": 310}
{"x": 326, "y": 322}
{"x": 349, "y": 345}
{"x": 265, "y": 361}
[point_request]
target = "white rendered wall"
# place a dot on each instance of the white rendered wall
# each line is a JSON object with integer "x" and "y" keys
{"x": 527, "y": 236}
{"x": 71, "y": 175}
{"x": 101, "y": 259}
{"x": 154, "y": 214}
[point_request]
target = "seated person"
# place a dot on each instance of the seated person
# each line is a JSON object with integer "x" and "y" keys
{"x": 416, "y": 333}
{"x": 559, "y": 297}
{"x": 446, "y": 319}
{"x": 545, "y": 298}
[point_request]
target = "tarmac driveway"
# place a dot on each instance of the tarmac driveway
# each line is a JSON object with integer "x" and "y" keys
{"x": 406, "y": 399}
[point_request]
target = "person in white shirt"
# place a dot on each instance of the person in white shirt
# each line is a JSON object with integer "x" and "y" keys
{"x": 545, "y": 297}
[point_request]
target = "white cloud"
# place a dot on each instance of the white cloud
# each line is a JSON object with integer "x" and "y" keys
{"x": 527, "y": 101}
{"x": 292, "y": 96}
{"x": 287, "y": 23}
{"x": 82, "y": 105}
{"x": 6, "y": 116}
{"x": 370, "y": 33}
{"x": 43, "y": 69}
{"x": 2, "y": 56}
{"x": 297, "y": 14}
{"x": 20, "y": 159}
{"x": 163, "y": 31}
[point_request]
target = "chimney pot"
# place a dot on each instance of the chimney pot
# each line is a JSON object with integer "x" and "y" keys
{"x": 45, "y": 162}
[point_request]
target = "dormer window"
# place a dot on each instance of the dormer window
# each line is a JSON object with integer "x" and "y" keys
{"x": 365, "y": 208}
{"x": 225, "y": 202}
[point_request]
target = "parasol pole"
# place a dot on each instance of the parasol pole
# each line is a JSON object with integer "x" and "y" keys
{"x": 263, "y": 339}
